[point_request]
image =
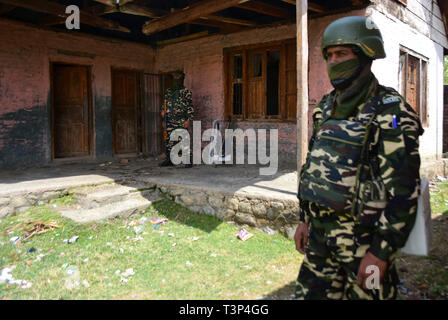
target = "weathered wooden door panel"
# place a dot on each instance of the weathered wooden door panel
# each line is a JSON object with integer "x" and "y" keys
{"x": 125, "y": 111}
{"x": 256, "y": 99}
{"x": 291, "y": 81}
{"x": 153, "y": 99}
{"x": 412, "y": 85}
{"x": 71, "y": 111}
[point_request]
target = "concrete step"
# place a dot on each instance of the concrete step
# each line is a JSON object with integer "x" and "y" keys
{"x": 121, "y": 209}
{"x": 95, "y": 197}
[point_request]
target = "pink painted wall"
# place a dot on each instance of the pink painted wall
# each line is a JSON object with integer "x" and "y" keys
{"x": 26, "y": 54}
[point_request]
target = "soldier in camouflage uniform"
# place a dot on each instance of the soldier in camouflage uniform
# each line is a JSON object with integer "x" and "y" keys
{"x": 359, "y": 186}
{"x": 177, "y": 112}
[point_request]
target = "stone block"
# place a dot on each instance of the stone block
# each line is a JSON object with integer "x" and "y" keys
{"x": 208, "y": 210}
{"x": 245, "y": 207}
{"x": 232, "y": 203}
{"x": 6, "y": 212}
{"x": 19, "y": 201}
{"x": 215, "y": 202}
{"x": 225, "y": 214}
{"x": 242, "y": 218}
{"x": 272, "y": 214}
{"x": 277, "y": 206}
{"x": 187, "y": 200}
{"x": 4, "y": 202}
{"x": 177, "y": 192}
{"x": 259, "y": 210}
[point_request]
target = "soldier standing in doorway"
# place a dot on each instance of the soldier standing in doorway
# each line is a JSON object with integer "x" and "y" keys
{"x": 360, "y": 184}
{"x": 177, "y": 113}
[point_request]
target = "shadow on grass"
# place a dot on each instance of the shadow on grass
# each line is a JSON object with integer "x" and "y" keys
{"x": 176, "y": 212}
{"x": 284, "y": 293}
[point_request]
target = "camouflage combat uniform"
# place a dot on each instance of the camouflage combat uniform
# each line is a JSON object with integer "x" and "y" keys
{"x": 376, "y": 222}
{"x": 179, "y": 107}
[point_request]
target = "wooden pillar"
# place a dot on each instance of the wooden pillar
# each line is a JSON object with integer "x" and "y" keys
{"x": 302, "y": 82}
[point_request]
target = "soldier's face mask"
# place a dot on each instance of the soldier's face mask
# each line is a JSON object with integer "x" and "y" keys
{"x": 343, "y": 73}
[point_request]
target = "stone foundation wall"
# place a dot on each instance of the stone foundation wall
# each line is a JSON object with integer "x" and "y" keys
{"x": 268, "y": 214}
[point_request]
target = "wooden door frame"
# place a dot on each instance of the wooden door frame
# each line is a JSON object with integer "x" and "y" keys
{"x": 90, "y": 130}
{"x": 141, "y": 112}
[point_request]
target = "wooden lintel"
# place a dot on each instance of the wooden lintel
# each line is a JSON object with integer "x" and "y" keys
{"x": 239, "y": 22}
{"x": 267, "y": 9}
{"x": 58, "y": 10}
{"x": 193, "y": 12}
{"x": 184, "y": 38}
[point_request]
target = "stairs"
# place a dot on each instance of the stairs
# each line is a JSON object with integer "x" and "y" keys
{"x": 109, "y": 201}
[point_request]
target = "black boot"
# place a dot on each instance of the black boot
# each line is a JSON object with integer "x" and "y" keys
{"x": 166, "y": 163}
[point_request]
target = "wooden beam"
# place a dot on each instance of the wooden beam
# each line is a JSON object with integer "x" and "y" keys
{"x": 58, "y": 10}
{"x": 311, "y": 6}
{"x": 112, "y": 3}
{"x": 302, "y": 83}
{"x": 239, "y": 22}
{"x": 132, "y": 9}
{"x": 4, "y": 9}
{"x": 184, "y": 38}
{"x": 193, "y": 12}
{"x": 316, "y": 7}
{"x": 267, "y": 9}
{"x": 226, "y": 27}
{"x": 137, "y": 10}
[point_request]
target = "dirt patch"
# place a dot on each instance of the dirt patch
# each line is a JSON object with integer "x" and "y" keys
{"x": 427, "y": 277}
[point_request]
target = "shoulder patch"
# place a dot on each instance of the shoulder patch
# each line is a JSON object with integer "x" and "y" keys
{"x": 390, "y": 100}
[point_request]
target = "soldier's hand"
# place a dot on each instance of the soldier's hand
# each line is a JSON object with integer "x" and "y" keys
{"x": 162, "y": 114}
{"x": 370, "y": 260}
{"x": 186, "y": 124}
{"x": 301, "y": 237}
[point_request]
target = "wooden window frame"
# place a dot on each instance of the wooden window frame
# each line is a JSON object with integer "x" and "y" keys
{"x": 228, "y": 76}
{"x": 422, "y": 81}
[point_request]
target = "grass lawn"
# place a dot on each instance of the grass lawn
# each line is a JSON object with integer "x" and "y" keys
{"x": 192, "y": 256}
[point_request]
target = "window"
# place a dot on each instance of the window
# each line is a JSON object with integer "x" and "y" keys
{"x": 413, "y": 82}
{"x": 261, "y": 81}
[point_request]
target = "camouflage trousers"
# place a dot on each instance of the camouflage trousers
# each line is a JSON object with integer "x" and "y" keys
{"x": 170, "y": 144}
{"x": 336, "y": 246}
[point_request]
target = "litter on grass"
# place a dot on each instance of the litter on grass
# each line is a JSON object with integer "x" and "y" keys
{"x": 72, "y": 240}
{"x": 6, "y": 276}
{"x": 244, "y": 235}
{"x": 30, "y": 229}
{"x": 157, "y": 222}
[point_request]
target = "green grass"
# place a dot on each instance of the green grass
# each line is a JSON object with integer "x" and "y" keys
{"x": 439, "y": 198}
{"x": 223, "y": 267}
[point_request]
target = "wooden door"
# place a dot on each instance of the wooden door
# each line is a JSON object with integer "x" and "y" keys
{"x": 153, "y": 103}
{"x": 413, "y": 82}
{"x": 70, "y": 111}
{"x": 291, "y": 81}
{"x": 256, "y": 91}
{"x": 125, "y": 103}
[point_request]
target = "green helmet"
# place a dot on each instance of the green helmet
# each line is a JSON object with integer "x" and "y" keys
{"x": 356, "y": 30}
